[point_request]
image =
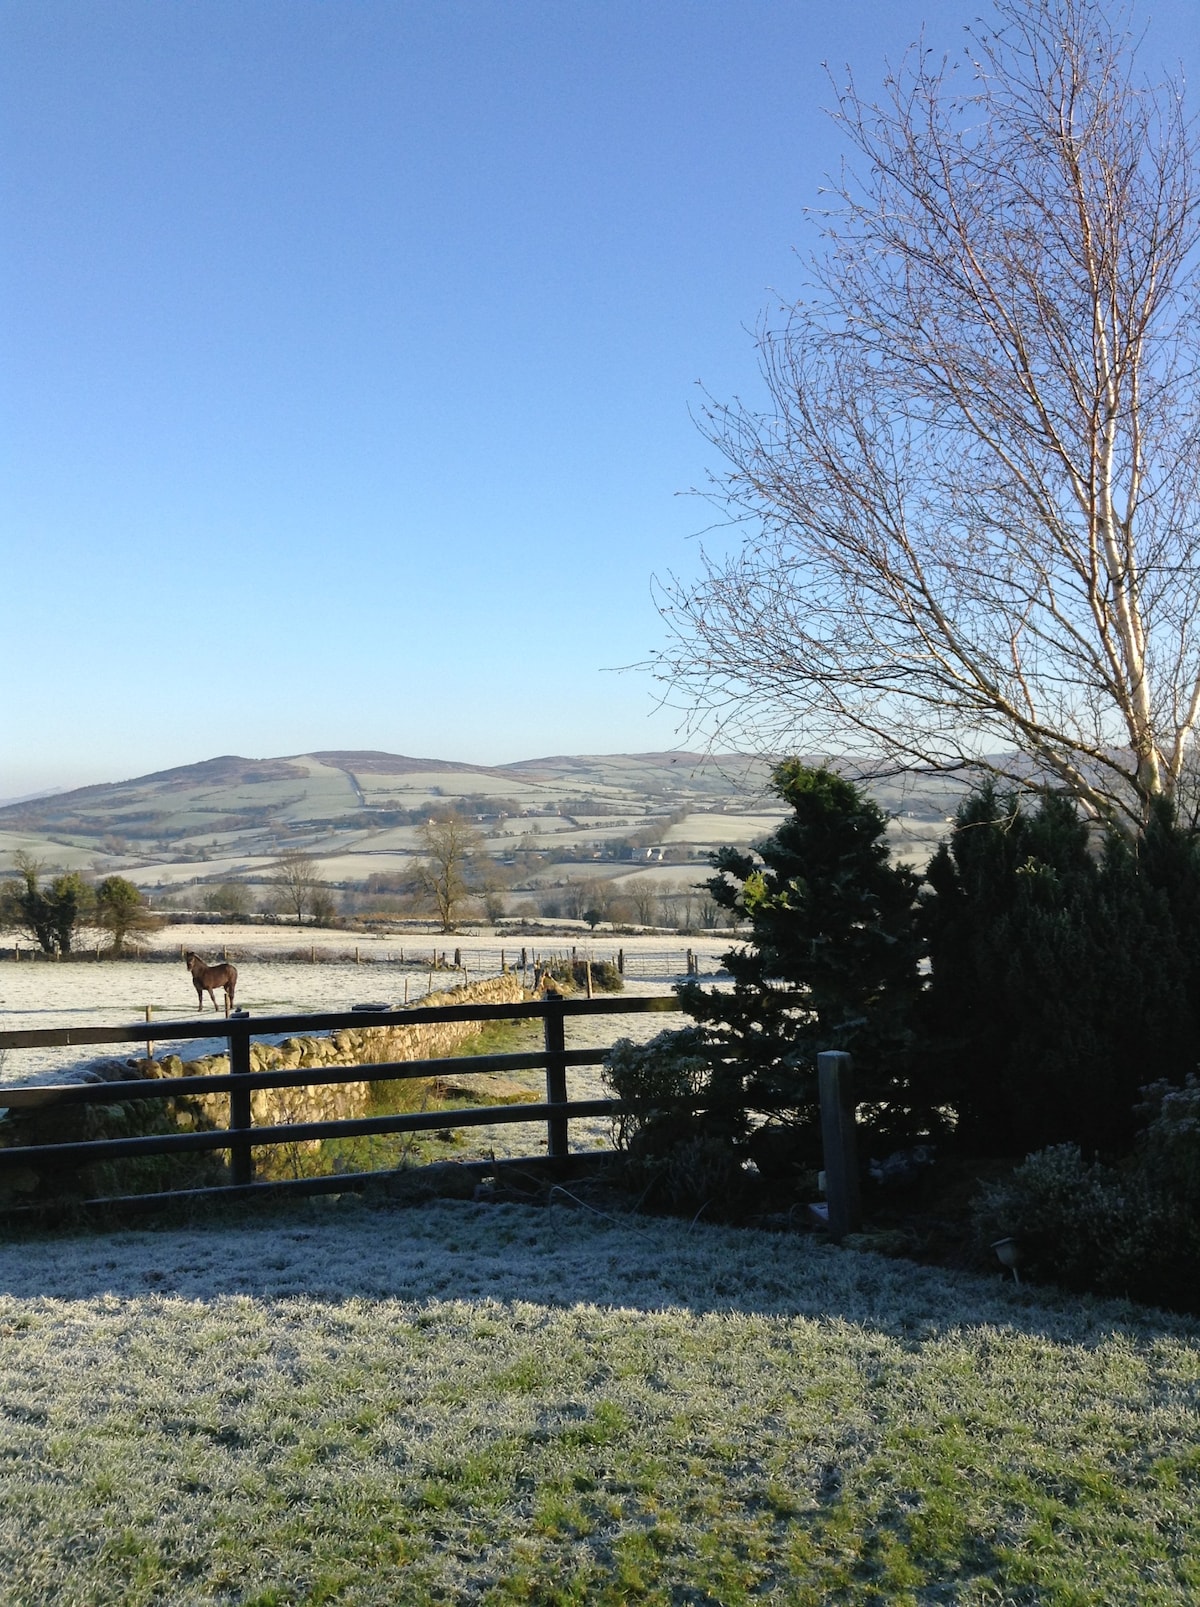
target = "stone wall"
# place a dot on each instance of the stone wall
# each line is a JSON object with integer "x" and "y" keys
{"x": 348, "y": 1046}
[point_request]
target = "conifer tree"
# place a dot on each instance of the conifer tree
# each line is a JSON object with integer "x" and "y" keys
{"x": 831, "y": 962}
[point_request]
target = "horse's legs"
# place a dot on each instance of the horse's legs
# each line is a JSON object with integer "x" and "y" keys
{"x": 230, "y": 989}
{"x": 199, "y": 998}
{"x": 213, "y": 997}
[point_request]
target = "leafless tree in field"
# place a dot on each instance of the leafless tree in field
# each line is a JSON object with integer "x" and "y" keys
{"x": 642, "y": 892}
{"x": 451, "y": 868}
{"x": 972, "y": 501}
{"x": 298, "y": 881}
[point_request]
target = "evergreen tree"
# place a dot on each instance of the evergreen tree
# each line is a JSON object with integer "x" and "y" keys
{"x": 1062, "y": 978}
{"x": 832, "y": 962}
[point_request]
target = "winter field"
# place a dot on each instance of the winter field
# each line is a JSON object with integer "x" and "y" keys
{"x": 41, "y": 994}
{"x": 473, "y": 1403}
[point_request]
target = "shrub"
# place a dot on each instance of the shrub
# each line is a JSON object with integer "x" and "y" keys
{"x": 573, "y": 974}
{"x": 1132, "y": 1229}
{"x": 1075, "y": 1220}
{"x": 672, "y": 1157}
{"x": 1056, "y": 974}
{"x": 660, "y": 1083}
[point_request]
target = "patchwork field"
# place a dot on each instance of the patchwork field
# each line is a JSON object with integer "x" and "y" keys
{"x": 475, "y": 1403}
{"x": 358, "y": 815}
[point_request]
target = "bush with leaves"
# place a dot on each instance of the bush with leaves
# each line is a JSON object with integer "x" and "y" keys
{"x": 669, "y": 1156}
{"x": 122, "y": 912}
{"x": 659, "y": 1084}
{"x": 564, "y": 973}
{"x": 1127, "y": 1229}
{"x": 51, "y": 915}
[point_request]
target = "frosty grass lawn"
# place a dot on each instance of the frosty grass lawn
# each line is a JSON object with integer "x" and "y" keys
{"x": 478, "y": 1403}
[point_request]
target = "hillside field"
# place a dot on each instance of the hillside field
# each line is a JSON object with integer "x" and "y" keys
{"x": 612, "y": 821}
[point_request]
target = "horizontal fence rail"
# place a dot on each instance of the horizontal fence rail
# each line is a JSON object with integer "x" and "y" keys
{"x": 242, "y": 1135}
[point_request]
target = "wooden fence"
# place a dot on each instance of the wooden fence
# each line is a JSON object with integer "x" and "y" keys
{"x": 242, "y": 1136}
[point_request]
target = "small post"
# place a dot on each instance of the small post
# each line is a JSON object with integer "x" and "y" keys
{"x": 458, "y": 959}
{"x": 621, "y": 961}
{"x": 406, "y": 990}
{"x": 241, "y": 1117}
{"x": 556, "y": 1074}
{"x": 524, "y": 959}
{"x": 313, "y": 955}
{"x": 691, "y": 963}
{"x": 357, "y": 961}
{"x": 588, "y": 976}
{"x": 149, "y": 1045}
{"x": 835, "y": 1076}
{"x": 503, "y": 963}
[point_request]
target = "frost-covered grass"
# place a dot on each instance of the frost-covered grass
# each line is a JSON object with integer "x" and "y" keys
{"x": 478, "y": 1403}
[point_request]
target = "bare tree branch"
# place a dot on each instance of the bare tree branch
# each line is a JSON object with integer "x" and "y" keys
{"x": 972, "y": 507}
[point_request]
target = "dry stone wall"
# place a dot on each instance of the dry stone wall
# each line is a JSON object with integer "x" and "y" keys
{"x": 348, "y": 1046}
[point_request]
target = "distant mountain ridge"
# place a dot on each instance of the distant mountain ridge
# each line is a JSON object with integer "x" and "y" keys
{"x": 232, "y": 812}
{"x": 231, "y": 793}
{"x": 234, "y": 770}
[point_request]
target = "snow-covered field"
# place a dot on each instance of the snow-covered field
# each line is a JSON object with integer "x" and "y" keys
{"x": 481, "y": 1404}
{"x": 270, "y": 981}
{"x": 116, "y": 993}
{"x": 40, "y": 994}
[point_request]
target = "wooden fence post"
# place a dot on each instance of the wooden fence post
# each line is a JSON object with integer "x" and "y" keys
{"x": 556, "y": 1074}
{"x": 241, "y": 1116}
{"x": 149, "y": 1045}
{"x": 835, "y": 1076}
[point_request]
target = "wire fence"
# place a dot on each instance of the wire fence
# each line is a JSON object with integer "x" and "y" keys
{"x": 703, "y": 959}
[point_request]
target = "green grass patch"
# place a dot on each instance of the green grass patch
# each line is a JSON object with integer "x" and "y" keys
{"x": 387, "y": 1151}
{"x": 481, "y": 1404}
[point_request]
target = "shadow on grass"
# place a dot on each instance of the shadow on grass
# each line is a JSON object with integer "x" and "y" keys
{"x": 343, "y": 1249}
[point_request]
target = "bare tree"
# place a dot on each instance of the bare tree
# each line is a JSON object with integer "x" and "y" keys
{"x": 678, "y": 902}
{"x": 974, "y": 494}
{"x": 642, "y": 892}
{"x": 230, "y": 899}
{"x": 579, "y": 897}
{"x": 297, "y": 881}
{"x": 451, "y": 867}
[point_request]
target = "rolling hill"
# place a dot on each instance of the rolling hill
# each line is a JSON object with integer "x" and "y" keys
{"x": 358, "y": 813}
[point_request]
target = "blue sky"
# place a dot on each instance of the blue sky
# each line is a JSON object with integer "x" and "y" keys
{"x": 349, "y": 348}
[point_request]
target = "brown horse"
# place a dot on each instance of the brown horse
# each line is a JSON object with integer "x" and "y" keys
{"x": 207, "y": 977}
